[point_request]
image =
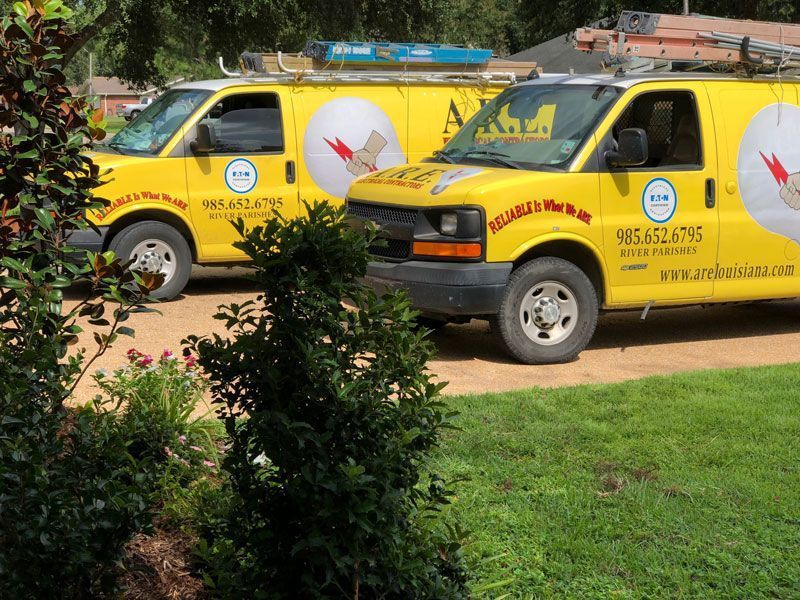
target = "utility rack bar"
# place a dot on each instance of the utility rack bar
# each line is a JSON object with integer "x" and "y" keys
{"x": 440, "y": 64}
{"x": 752, "y": 46}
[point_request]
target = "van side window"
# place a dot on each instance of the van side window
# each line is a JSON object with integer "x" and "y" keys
{"x": 670, "y": 121}
{"x": 246, "y": 124}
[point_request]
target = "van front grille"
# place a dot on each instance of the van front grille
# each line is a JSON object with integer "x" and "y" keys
{"x": 381, "y": 213}
{"x": 392, "y": 248}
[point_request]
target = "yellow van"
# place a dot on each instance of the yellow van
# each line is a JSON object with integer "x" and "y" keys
{"x": 208, "y": 152}
{"x": 566, "y": 195}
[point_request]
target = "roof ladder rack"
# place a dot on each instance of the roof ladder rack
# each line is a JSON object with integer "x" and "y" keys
{"x": 383, "y": 60}
{"x": 755, "y": 46}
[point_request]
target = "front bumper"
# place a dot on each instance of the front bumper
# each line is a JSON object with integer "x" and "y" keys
{"x": 444, "y": 288}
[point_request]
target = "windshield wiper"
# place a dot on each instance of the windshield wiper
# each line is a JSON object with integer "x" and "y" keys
{"x": 496, "y": 157}
{"x": 444, "y": 156}
{"x": 118, "y": 148}
{"x": 106, "y": 146}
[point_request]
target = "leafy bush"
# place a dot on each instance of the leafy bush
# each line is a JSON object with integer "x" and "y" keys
{"x": 332, "y": 419}
{"x": 69, "y": 495}
{"x": 156, "y": 399}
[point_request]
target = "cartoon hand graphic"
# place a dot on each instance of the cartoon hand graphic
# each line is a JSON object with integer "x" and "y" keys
{"x": 364, "y": 160}
{"x": 790, "y": 192}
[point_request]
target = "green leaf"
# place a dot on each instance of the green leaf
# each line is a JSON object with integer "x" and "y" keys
{"x": 61, "y": 281}
{"x": 12, "y": 263}
{"x": 23, "y": 24}
{"x": 12, "y": 283}
{"x": 44, "y": 217}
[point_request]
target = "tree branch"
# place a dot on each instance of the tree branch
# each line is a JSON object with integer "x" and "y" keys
{"x": 111, "y": 13}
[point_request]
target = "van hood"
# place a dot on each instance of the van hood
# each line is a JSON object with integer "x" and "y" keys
{"x": 427, "y": 183}
{"x": 111, "y": 160}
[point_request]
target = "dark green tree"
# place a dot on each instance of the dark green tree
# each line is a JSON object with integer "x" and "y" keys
{"x": 148, "y": 42}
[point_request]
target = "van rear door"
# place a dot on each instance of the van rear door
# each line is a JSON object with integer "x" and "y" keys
{"x": 759, "y": 244}
{"x": 660, "y": 219}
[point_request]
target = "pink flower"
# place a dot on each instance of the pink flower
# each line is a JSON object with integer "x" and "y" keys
{"x": 209, "y": 464}
{"x": 166, "y": 354}
{"x": 145, "y": 360}
{"x": 182, "y": 439}
{"x": 168, "y": 452}
{"x": 196, "y": 448}
{"x": 191, "y": 361}
{"x": 133, "y": 354}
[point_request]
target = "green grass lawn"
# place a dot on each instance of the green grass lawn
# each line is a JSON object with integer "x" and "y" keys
{"x": 114, "y": 124}
{"x": 680, "y": 486}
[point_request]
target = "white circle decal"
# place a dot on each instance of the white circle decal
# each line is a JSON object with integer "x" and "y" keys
{"x": 659, "y": 200}
{"x": 768, "y": 165}
{"x": 346, "y": 138}
{"x": 241, "y": 176}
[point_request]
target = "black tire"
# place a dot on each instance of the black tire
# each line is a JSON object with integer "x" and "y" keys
{"x": 134, "y": 114}
{"x": 567, "y": 335}
{"x": 166, "y": 244}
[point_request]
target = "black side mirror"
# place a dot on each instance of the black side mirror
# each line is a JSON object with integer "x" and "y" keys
{"x": 632, "y": 149}
{"x": 205, "y": 140}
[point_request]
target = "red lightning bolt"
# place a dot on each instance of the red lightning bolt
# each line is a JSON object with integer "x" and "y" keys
{"x": 775, "y": 166}
{"x": 341, "y": 149}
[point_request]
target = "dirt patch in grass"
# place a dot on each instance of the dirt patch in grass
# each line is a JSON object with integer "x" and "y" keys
{"x": 158, "y": 567}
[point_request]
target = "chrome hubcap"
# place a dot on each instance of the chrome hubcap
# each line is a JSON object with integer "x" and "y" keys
{"x": 154, "y": 256}
{"x": 548, "y": 313}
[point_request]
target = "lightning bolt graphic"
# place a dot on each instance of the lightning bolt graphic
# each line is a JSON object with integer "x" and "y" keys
{"x": 775, "y": 167}
{"x": 342, "y": 150}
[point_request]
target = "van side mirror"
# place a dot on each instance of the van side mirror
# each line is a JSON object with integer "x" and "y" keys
{"x": 205, "y": 140}
{"x": 632, "y": 149}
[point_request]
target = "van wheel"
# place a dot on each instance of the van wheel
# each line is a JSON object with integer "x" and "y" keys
{"x": 548, "y": 312}
{"x": 155, "y": 247}
{"x": 134, "y": 114}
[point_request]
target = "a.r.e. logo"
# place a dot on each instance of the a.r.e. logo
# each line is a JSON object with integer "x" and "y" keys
{"x": 768, "y": 169}
{"x": 241, "y": 176}
{"x": 659, "y": 200}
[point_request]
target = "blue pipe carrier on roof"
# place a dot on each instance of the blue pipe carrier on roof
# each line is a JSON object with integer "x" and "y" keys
{"x": 388, "y": 52}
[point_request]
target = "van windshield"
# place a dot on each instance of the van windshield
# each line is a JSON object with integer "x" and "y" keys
{"x": 154, "y": 127}
{"x": 531, "y": 126}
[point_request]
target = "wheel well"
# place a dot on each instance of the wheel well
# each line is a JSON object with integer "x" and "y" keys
{"x": 151, "y": 215}
{"x": 574, "y": 252}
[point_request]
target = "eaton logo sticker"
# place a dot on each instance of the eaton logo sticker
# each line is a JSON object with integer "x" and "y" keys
{"x": 659, "y": 200}
{"x": 241, "y": 176}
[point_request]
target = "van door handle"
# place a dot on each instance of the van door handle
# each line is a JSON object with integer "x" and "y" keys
{"x": 711, "y": 193}
{"x": 290, "y": 172}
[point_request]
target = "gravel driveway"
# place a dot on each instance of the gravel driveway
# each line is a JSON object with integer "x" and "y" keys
{"x": 472, "y": 360}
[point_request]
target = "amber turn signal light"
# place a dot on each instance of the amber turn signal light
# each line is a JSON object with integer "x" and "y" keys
{"x": 463, "y": 250}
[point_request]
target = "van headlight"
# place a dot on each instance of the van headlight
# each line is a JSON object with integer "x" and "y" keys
{"x": 448, "y": 223}
{"x": 454, "y": 222}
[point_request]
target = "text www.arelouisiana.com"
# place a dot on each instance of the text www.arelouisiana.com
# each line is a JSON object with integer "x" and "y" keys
{"x": 736, "y": 271}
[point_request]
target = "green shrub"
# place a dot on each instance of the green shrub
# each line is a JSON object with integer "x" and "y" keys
{"x": 332, "y": 419}
{"x": 70, "y": 496}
